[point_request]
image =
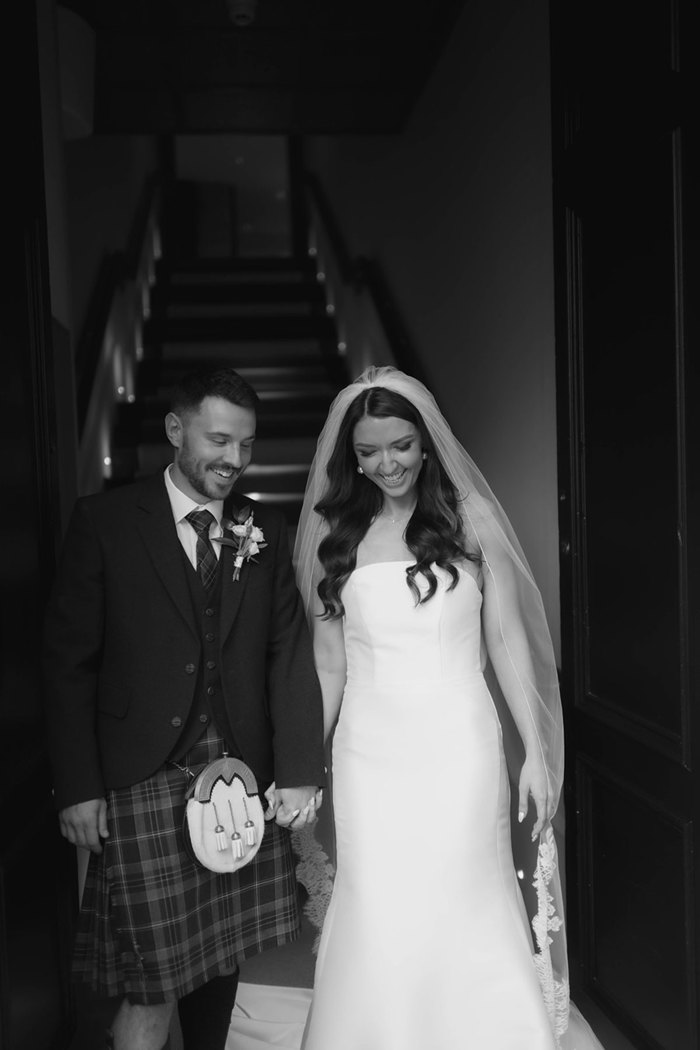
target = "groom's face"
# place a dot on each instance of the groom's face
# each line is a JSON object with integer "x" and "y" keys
{"x": 213, "y": 446}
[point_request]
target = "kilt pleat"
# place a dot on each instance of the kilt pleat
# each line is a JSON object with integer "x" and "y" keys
{"x": 154, "y": 925}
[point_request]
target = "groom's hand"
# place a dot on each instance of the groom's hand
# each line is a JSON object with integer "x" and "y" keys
{"x": 85, "y": 824}
{"x": 297, "y": 807}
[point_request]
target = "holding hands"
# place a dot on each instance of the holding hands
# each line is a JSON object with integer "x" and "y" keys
{"x": 293, "y": 807}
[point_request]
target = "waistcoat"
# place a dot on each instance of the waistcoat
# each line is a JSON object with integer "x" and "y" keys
{"x": 208, "y": 703}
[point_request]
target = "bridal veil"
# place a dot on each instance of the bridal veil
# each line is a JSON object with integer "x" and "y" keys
{"x": 489, "y": 534}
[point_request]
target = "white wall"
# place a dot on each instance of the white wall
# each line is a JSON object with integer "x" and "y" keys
{"x": 458, "y": 211}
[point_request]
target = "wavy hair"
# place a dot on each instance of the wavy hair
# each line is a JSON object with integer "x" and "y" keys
{"x": 349, "y": 505}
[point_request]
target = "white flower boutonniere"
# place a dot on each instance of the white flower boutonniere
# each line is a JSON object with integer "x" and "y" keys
{"x": 248, "y": 539}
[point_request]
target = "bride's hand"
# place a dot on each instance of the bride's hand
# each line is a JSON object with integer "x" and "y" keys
{"x": 534, "y": 781}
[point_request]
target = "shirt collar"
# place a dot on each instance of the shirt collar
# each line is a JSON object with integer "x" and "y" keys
{"x": 182, "y": 504}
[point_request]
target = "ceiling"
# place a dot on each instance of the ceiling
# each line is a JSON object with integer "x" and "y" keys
{"x": 300, "y": 66}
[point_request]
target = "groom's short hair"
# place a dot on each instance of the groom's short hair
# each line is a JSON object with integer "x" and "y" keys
{"x": 199, "y": 383}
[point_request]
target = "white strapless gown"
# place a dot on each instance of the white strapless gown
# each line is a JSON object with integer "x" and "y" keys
{"x": 426, "y": 944}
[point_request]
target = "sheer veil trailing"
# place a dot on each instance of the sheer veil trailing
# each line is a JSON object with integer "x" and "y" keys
{"x": 532, "y": 672}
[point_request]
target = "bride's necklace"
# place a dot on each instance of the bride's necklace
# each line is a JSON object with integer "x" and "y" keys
{"x": 396, "y": 521}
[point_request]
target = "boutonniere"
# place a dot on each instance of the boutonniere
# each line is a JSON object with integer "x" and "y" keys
{"x": 248, "y": 539}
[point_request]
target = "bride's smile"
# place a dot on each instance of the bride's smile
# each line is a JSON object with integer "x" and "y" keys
{"x": 389, "y": 452}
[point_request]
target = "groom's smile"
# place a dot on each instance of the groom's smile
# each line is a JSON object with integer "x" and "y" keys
{"x": 213, "y": 446}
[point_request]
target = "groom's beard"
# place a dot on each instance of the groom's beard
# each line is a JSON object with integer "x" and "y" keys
{"x": 203, "y": 478}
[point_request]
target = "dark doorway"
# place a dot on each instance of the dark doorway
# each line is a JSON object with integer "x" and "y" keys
{"x": 627, "y": 246}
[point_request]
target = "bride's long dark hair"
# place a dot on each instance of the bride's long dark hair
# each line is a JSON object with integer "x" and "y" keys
{"x": 350, "y": 503}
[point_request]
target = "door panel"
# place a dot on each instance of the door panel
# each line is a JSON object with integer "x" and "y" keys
{"x": 625, "y": 154}
{"x": 628, "y": 442}
{"x": 637, "y": 889}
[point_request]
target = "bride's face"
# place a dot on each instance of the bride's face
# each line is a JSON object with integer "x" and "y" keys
{"x": 390, "y": 454}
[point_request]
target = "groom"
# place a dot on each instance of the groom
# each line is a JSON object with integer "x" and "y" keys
{"x": 155, "y": 661}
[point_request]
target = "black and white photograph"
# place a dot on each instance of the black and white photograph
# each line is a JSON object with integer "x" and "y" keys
{"x": 351, "y": 559}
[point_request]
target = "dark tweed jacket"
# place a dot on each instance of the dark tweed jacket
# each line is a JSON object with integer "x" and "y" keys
{"x": 120, "y": 643}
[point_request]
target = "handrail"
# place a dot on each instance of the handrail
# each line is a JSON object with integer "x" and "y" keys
{"x": 364, "y": 273}
{"x": 140, "y": 223}
{"x": 116, "y": 268}
{"x": 337, "y": 241}
{"x": 110, "y": 276}
{"x": 111, "y": 344}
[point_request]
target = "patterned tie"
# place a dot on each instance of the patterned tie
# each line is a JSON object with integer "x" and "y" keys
{"x": 207, "y": 562}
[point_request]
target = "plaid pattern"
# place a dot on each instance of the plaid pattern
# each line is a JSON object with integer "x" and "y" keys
{"x": 154, "y": 925}
{"x": 207, "y": 561}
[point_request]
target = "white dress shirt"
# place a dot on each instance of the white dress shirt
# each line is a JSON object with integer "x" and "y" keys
{"x": 181, "y": 507}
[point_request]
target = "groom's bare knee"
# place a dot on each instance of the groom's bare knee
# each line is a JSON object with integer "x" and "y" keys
{"x": 138, "y": 1027}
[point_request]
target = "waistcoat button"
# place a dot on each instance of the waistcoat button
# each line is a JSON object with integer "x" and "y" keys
{"x": 176, "y": 722}
{"x": 210, "y": 665}
{"x": 189, "y": 668}
{"x": 204, "y": 718}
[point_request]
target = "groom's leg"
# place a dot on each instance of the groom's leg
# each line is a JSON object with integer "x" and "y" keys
{"x": 139, "y": 1027}
{"x": 205, "y": 1014}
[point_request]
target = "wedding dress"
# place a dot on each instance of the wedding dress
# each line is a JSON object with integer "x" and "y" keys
{"x": 426, "y": 944}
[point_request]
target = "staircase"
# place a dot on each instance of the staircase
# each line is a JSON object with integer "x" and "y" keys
{"x": 265, "y": 317}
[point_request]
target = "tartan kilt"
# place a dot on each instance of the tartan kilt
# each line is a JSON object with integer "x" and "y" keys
{"x": 154, "y": 925}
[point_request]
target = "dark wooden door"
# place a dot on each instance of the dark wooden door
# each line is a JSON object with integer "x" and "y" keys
{"x": 37, "y": 877}
{"x": 626, "y": 200}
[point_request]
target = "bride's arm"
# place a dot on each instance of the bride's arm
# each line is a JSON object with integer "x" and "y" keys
{"x": 509, "y": 652}
{"x": 331, "y": 667}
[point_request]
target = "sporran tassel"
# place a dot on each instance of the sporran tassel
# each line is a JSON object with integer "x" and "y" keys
{"x": 220, "y": 832}
{"x": 249, "y": 828}
{"x": 236, "y": 840}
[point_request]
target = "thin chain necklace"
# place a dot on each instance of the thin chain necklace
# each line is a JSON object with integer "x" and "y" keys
{"x": 395, "y": 521}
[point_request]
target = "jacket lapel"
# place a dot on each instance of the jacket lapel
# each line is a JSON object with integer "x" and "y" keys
{"x": 231, "y": 591}
{"x": 159, "y": 534}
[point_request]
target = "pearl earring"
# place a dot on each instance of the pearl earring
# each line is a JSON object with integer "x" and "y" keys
{"x": 425, "y": 455}
{"x": 360, "y": 470}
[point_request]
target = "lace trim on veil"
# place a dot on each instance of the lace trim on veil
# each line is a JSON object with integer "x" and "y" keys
{"x": 316, "y": 873}
{"x": 555, "y": 991}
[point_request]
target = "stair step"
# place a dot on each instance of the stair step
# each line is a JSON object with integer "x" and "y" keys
{"x": 292, "y": 424}
{"x": 291, "y": 508}
{"x": 235, "y": 354}
{"x": 294, "y": 448}
{"x": 217, "y": 292}
{"x": 241, "y": 277}
{"x": 277, "y": 477}
{"x": 238, "y": 329}
{"x": 267, "y": 383}
{"x": 159, "y": 378}
{"x": 272, "y": 401}
{"x": 287, "y": 500}
{"x": 262, "y": 270}
{"x": 187, "y": 311}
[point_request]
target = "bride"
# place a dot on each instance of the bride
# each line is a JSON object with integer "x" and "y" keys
{"x": 438, "y": 680}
